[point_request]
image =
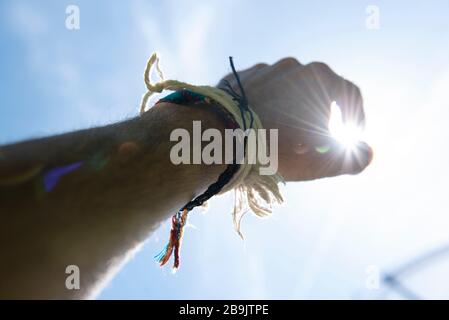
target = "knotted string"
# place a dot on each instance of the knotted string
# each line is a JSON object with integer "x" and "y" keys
{"x": 253, "y": 191}
{"x": 239, "y": 98}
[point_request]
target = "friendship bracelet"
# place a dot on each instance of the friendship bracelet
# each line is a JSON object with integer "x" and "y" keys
{"x": 189, "y": 98}
{"x": 253, "y": 191}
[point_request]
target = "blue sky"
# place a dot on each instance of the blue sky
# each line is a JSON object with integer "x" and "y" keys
{"x": 318, "y": 244}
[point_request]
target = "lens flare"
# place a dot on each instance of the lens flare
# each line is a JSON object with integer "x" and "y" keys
{"x": 348, "y": 134}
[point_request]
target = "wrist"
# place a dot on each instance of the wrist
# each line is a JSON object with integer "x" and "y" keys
{"x": 162, "y": 120}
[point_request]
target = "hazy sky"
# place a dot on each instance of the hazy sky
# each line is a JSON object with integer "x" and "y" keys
{"x": 318, "y": 244}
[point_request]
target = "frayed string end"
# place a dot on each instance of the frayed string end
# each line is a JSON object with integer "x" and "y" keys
{"x": 174, "y": 244}
{"x": 257, "y": 194}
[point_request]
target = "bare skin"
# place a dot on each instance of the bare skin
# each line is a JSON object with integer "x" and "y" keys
{"x": 125, "y": 185}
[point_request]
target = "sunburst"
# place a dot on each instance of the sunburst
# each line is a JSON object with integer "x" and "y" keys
{"x": 346, "y": 133}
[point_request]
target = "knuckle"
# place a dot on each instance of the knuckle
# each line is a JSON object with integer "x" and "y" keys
{"x": 288, "y": 62}
{"x": 357, "y": 91}
{"x": 319, "y": 67}
{"x": 224, "y": 80}
{"x": 352, "y": 92}
{"x": 253, "y": 69}
{"x": 227, "y": 77}
{"x": 259, "y": 66}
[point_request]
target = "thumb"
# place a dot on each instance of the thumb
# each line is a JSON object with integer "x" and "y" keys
{"x": 353, "y": 160}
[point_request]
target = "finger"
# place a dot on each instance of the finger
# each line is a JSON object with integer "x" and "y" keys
{"x": 345, "y": 93}
{"x": 281, "y": 68}
{"x": 286, "y": 63}
{"x": 349, "y": 99}
{"x": 274, "y": 72}
{"x": 312, "y": 163}
{"x": 250, "y": 72}
{"x": 332, "y": 87}
{"x": 343, "y": 161}
{"x": 316, "y": 79}
{"x": 244, "y": 74}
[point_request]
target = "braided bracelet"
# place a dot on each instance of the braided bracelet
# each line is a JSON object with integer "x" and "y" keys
{"x": 253, "y": 191}
{"x": 189, "y": 98}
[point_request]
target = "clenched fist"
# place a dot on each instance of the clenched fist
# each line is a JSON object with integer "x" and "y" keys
{"x": 296, "y": 99}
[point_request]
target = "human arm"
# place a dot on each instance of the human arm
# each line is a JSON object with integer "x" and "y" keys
{"x": 126, "y": 185}
{"x": 94, "y": 215}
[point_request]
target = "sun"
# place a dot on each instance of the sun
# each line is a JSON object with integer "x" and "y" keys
{"x": 347, "y": 134}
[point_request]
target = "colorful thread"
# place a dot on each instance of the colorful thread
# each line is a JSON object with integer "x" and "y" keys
{"x": 252, "y": 191}
{"x": 174, "y": 245}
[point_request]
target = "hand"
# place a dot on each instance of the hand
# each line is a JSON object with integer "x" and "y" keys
{"x": 296, "y": 100}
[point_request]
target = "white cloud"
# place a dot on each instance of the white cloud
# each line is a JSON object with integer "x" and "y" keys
{"x": 27, "y": 20}
{"x": 181, "y": 41}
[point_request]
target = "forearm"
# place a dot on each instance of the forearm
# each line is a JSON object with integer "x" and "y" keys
{"x": 123, "y": 186}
